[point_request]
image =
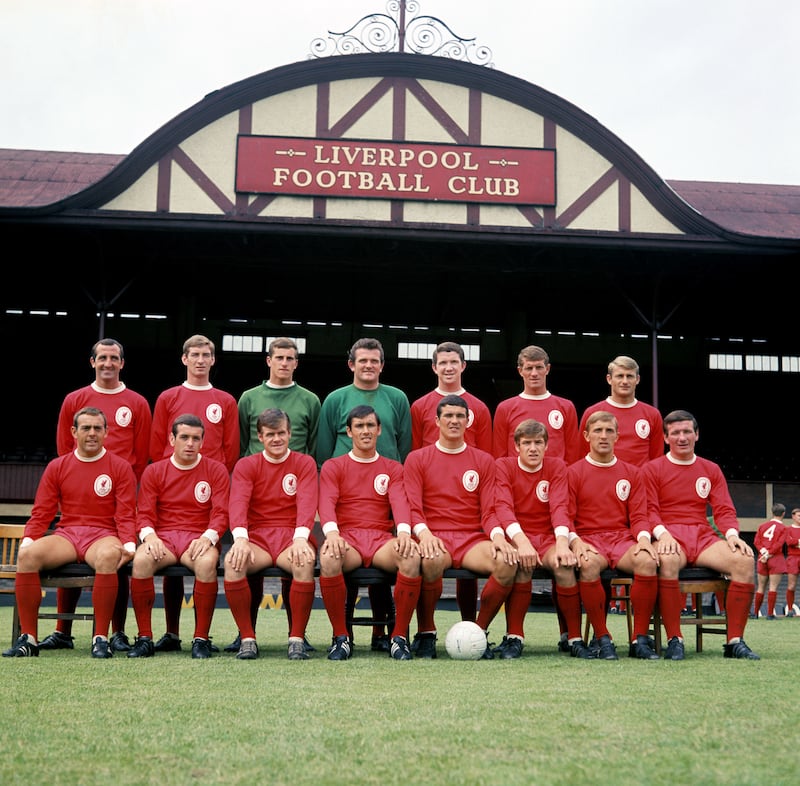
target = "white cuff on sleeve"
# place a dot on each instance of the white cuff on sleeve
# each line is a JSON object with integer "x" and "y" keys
{"x": 513, "y": 529}
{"x": 561, "y": 532}
{"x": 732, "y": 531}
{"x": 26, "y": 541}
{"x": 659, "y": 530}
{"x": 406, "y": 528}
{"x": 130, "y": 547}
{"x": 645, "y": 535}
{"x": 421, "y": 527}
{"x": 301, "y": 532}
{"x": 212, "y": 535}
{"x": 144, "y": 532}
{"x": 240, "y": 532}
{"x": 572, "y": 537}
{"x": 496, "y": 531}
{"x": 329, "y": 526}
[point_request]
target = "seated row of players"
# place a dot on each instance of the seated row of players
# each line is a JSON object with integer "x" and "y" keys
{"x": 510, "y": 583}
{"x": 464, "y": 516}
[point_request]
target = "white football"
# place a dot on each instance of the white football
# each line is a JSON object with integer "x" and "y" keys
{"x": 465, "y": 641}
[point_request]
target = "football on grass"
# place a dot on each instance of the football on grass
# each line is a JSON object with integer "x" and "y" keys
{"x": 465, "y": 641}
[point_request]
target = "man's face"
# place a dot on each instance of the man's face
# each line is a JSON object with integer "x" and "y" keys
{"x": 364, "y": 432}
{"x": 452, "y": 422}
{"x": 448, "y": 368}
{"x": 199, "y": 360}
{"x": 366, "y": 368}
{"x": 534, "y": 375}
{"x": 623, "y": 382}
{"x": 275, "y": 439}
{"x": 108, "y": 363}
{"x": 531, "y": 451}
{"x": 602, "y": 436}
{"x": 186, "y": 443}
{"x": 681, "y": 438}
{"x": 89, "y": 434}
{"x": 282, "y": 364}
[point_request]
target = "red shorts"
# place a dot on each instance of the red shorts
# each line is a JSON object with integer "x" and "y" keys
{"x": 275, "y": 540}
{"x": 178, "y": 540}
{"x": 366, "y": 541}
{"x": 459, "y": 543}
{"x": 83, "y": 537}
{"x": 611, "y": 545}
{"x": 775, "y": 565}
{"x": 793, "y": 565}
{"x": 541, "y": 541}
{"x": 694, "y": 539}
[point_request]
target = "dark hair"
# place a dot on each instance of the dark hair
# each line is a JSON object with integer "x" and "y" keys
{"x": 779, "y": 509}
{"x": 448, "y": 346}
{"x": 678, "y": 415}
{"x": 108, "y": 342}
{"x": 365, "y": 343}
{"x": 361, "y": 411}
{"x": 272, "y": 418}
{"x": 451, "y": 400}
{"x": 187, "y": 419}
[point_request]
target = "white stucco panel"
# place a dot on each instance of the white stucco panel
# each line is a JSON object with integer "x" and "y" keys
{"x": 359, "y": 209}
{"x": 422, "y": 126}
{"x": 289, "y": 206}
{"x": 291, "y": 113}
{"x": 504, "y": 124}
{"x": 140, "y": 196}
{"x": 186, "y": 196}
{"x": 454, "y": 99}
{"x": 503, "y": 216}
{"x": 645, "y": 218}
{"x": 602, "y": 214}
{"x": 213, "y": 150}
{"x": 376, "y": 123}
{"x": 578, "y": 166}
{"x": 435, "y": 212}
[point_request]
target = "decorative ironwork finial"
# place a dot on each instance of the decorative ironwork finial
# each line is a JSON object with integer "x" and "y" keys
{"x": 396, "y": 32}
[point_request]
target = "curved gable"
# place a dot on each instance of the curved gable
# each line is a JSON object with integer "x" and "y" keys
{"x": 188, "y": 167}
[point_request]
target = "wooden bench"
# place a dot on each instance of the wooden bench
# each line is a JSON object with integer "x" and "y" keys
{"x": 695, "y": 582}
{"x": 692, "y": 581}
{"x": 80, "y": 574}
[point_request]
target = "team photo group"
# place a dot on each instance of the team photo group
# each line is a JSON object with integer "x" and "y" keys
{"x": 278, "y": 478}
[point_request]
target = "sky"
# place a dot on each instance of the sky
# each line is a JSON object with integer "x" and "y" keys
{"x": 700, "y": 89}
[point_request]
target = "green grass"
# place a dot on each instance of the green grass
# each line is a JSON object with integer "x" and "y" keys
{"x": 543, "y": 719}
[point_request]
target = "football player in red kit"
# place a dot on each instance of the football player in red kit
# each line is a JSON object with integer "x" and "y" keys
{"x": 364, "y": 513}
{"x": 531, "y": 504}
{"x": 449, "y": 363}
{"x": 129, "y": 421}
{"x": 608, "y": 506}
{"x": 182, "y": 514}
{"x": 450, "y": 487}
{"x": 220, "y": 415}
{"x": 273, "y": 508}
{"x": 95, "y": 492}
{"x": 681, "y": 486}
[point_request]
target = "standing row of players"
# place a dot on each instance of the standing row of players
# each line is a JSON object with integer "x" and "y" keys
{"x": 564, "y": 510}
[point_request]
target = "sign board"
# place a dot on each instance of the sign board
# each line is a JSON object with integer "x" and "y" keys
{"x": 372, "y": 169}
